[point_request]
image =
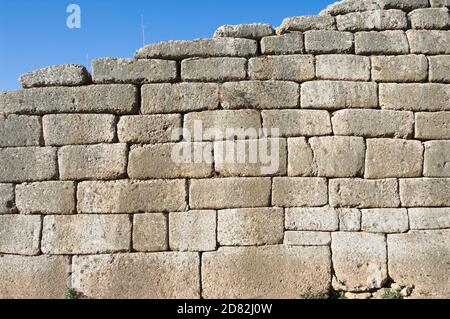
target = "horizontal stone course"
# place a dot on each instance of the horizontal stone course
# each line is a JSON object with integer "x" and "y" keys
{"x": 343, "y": 67}
{"x": 20, "y": 234}
{"x": 403, "y": 68}
{"x": 306, "y": 23}
{"x": 381, "y": 43}
{"x": 372, "y": 20}
{"x": 429, "y": 41}
{"x": 430, "y": 18}
{"x": 425, "y": 192}
{"x": 20, "y": 130}
{"x": 57, "y": 75}
{"x": 325, "y": 42}
{"x": 289, "y": 43}
{"x": 299, "y": 192}
{"x": 214, "y": 69}
{"x": 385, "y": 220}
{"x": 348, "y": 6}
{"x": 298, "y": 68}
{"x": 429, "y": 218}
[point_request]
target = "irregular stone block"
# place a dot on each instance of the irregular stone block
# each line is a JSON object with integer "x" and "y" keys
{"x": 20, "y": 234}
{"x": 323, "y": 42}
{"x": 289, "y": 43}
{"x": 248, "y": 31}
{"x": 437, "y": 159}
{"x": 299, "y": 192}
{"x": 385, "y": 220}
{"x": 312, "y": 219}
{"x": 306, "y": 23}
{"x": 7, "y": 204}
{"x": 436, "y": 18}
{"x": 214, "y": 69}
{"x": 434, "y": 125}
{"x": 425, "y": 192}
{"x": 372, "y": 20}
{"x": 439, "y": 3}
{"x": 57, "y": 75}
{"x": 301, "y": 158}
{"x": 381, "y": 43}
{"x": 343, "y": 67}
{"x": 405, "y": 5}
{"x": 307, "y": 238}
{"x": 20, "y": 130}
{"x": 429, "y": 218}
{"x": 150, "y": 232}
{"x": 349, "y": 219}
{"x": 429, "y": 42}
{"x": 405, "y": 68}
{"x": 439, "y": 68}
{"x": 347, "y": 6}
{"x": 298, "y": 68}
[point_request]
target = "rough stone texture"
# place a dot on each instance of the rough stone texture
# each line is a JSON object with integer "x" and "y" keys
{"x": 214, "y": 69}
{"x": 265, "y": 272}
{"x": 131, "y": 197}
{"x": 421, "y": 258}
{"x": 46, "y": 198}
{"x": 349, "y": 219}
{"x": 347, "y": 6}
{"x": 171, "y": 161}
{"x": 177, "y": 50}
{"x": 359, "y": 260}
{"x": 307, "y": 238}
{"x": 436, "y": 18}
{"x": 439, "y": 3}
{"x": 425, "y": 192}
{"x": 415, "y": 97}
{"x": 150, "y": 232}
{"x": 298, "y": 68}
{"x": 229, "y": 193}
{"x": 429, "y": 42}
{"x": 434, "y": 125}
{"x": 133, "y": 71}
{"x": 362, "y": 193}
{"x": 405, "y": 5}
{"x": 385, "y": 220}
{"x": 248, "y": 31}
{"x": 193, "y": 231}
{"x": 114, "y": 98}
{"x": 86, "y": 234}
{"x": 437, "y": 159}
{"x": 343, "y": 67}
{"x": 20, "y": 234}
{"x": 300, "y": 158}
{"x": 393, "y": 158}
{"x": 381, "y": 43}
{"x": 289, "y": 43}
{"x": 77, "y": 129}
{"x": 250, "y": 227}
{"x": 372, "y": 20}
{"x": 41, "y": 277}
{"x": 180, "y": 97}
{"x": 299, "y": 192}
{"x": 306, "y": 23}
{"x": 322, "y": 42}
{"x": 331, "y": 156}
{"x": 338, "y": 94}
{"x": 20, "y": 130}
{"x": 138, "y": 276}
{"x": 439, "y": 68}
{"x": 259, "y": 95}
{"x": 7, "y": 204}
{"x": 27, "y": 164}
{"x": 373, "y": 123}
{"x": 429, "y": 218}
{"x": 57, "y": 75}
{"x": 102, "y": 161}
{"x": 312, "y": 219}
{"x": 407, "y": 68}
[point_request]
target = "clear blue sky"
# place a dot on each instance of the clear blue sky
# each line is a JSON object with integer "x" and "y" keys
{"x": 33, "y": 33}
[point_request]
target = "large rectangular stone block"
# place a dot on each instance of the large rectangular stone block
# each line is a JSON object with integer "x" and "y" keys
{"x": 214, "y": 69}
{"x": 150, "y": 232}
{"x": 131, "y": 197}
{"x": 372, "y": 20}
{"x": 312, "y": 219}
{"x": 348, "y": 6}
{"x": 432, "y": 126}
{"x": 20, "y": 130}
{"x": 27, "y": 164}
{"x": 301, "y": 162}
{"x": 306, "y": 23}
{"x": 386, "y": 220}
{"x": 430, "y": 18}
{"x": 246, "y": 31}
{"x": 324, "y": 41}
{"x": 425, "y": 192}
{"x": 307, "y": 238}
{"x": 20, "y": 234}
{"x": 138, "y": 276}
{"x": 437, "y": 159}
{"x": 404, "y": 68}
{"x": 7, "y": 203}
{"x": 56, "y": 75}
{"x": 405, "y": 5}
{"x": 265, "y": 272}
{"x": 223, "y": 193}
{"x": 439, "y": 68}
{"x": 298, "y": 68}
{"x": 429, "y": 218}
{"x": 429, "y": 41}
{"x": 299, "y": 192}
{"x": 289, "y": 43}
{"x": 349, "y": 219}
{"x": 381, "y": 43}
{"x": 343, "y": 67}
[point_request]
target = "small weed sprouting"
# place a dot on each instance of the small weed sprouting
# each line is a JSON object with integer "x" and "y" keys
{"x": 314, "y": 295}
{"x": 71, "y": 294}
{"x": 392, "y": 294}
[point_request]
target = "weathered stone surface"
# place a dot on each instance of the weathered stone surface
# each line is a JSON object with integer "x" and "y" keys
{"x": 429, "y": 218}
{"x": 181, "y": 97}
{"x": 343, "y": 67}
{"x": 415, "y": 97}
{"x": 41, "y": 277}
{"x": 133, "y": 71}
{"x": 405, "y": 68}
{"x": 358, "y": 296}
{"x": 265, "y": 272}
{"x": 338, "y": 94}
{"x": 381, "y": 43}
{"x": 422, "y": 259}
{"x": 347, "y": 6}
{"x": 385, "y": 220}
{"x": 298, "y": 68}
{"x": 425, "y": 192}
{"x": 76, "y": 129}
{"x": 434, "y": 125}
{"x": 102, "y": 161}
{"x": 437, "y": 159}
{"x": 20, "y": 234}
{"x": 57, "y": 75}
{"x": 193, "y": 231}
{"x": 299, "y": 192}
{"x": 289, "y": 43}
{"x": 183, "y": 160}
{"x": 150, "y": 232}
{"x": 439, "y": 68}
{"x": 202, "y": 48}
{"x": 26, "y": 164}
{"x": 131, "y": 197}
{"x": 362, "y": 193}
{"x": 138, "y": 276}
{"x": 349, "y": 219}
{"x": 331, "y": 156}
{"x": 259, "y": 95}
{"x": 223, "y": 124}
{"x": 114, "y": 98}
{"x": 86, "y": 234}
{"x": 306, "y": 23}
{"x": 372, "y": 20}
{"x": 307, "y": 238}
{"x": 223, "y": 193}
{"x": 393, "y": 158}
{"x": 46, "y": 198}
{"x": 359, "y": 260}
{"x": 300, "y": 158}
{"x": 250, "y": 227}
{"x": 293, "y": 123}
{"x": 373, "y": 123}
{"x": 405, "y": 5}
{"x": 248, "y": 31}
{"x": 312, "y": 219}
{"x": 439, "y": 3}
{"x": 429, "y": 42}
{"x": 322, "y": 42}
{"x": 214, "y": 69}
{"x": 7, "y": 204}
{"x": 435, "y": 18}
{"x": 20, "y": 130}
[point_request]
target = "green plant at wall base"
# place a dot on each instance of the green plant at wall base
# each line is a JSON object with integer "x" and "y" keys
{"x": 392, "y": 294}
{"x": 337, "y": 295}
{"x": 70, "y": 294}
{"x": 313, "y": 295}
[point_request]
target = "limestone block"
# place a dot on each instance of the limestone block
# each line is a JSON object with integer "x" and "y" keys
{"x": 248, "y": 31}
{"x": 405, "y": 68}
{"x": 289, "y": 43}
{"x": 307, "y": 238}
{"x": 301, "y": 158}
{"x": 306, "y": 23}
{"x": 323, "y": 42}
{"x": 299, "y": 192}
{"x": 437, "y": 159}
{"x": 434, "y": 125}
{"x": 349, "y": 219}
{"x": 298, "y": 68}
{"x": 435, "y": 18}
{"x": 214, "y": 69}
{"x": 343, "y": 67}
{"x": 372, "y": 20}
{"x": 57, "y": 75}
{"x": 429, "y": 41}
{"x": 20, "y": 234}
{"x": 429, "y": 218}
{"x": 381, "y": 43}
{"x": 312, "y": 219}
{"x": 7, "y": 203}
{"x": 385, "y": 220}
{"x": 20, "y": 130}
{"x": 439, "y": 68}
{"x": 150, "y": 232}
{"x": 425, "y": 192}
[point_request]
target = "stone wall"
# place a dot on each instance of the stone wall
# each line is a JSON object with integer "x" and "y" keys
{"x": 91, "y": 197}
